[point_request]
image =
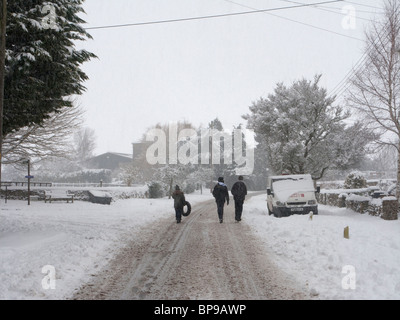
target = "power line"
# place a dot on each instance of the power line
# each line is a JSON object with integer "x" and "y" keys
{"x": 210, "y": 17}
{"x": 328, "y": 9}
{"x": 361, "y": 4}
{"x": 342, "y": 86}
{"x": 358, "y": 10}
{"x": 345, "y": 83}
{"x": 299, "y": 22}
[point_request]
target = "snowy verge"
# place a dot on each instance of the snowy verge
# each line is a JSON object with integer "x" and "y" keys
{"x": 74, "y": 239}
{"x": 321, "y": 259}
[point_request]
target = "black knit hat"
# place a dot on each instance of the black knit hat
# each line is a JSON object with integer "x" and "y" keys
{"x": 220, "y": 179}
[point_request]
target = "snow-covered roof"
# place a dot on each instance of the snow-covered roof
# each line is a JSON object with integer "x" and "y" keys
{"x": 292, "y": 177}
{"x": 125, "y": 155}
{"x": 109, "y": 160}
{"x": 284, "y": 189}
{"x": 100, "y": 194}
{"x": 122, "y": 155}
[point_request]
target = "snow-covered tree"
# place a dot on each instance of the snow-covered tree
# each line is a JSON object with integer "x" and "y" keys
{"x": 351, "y": 146}
{"x": 172, "y": 172}
{"x": 201, "y": 176}
{"x": 43, "y": 65}
{"x": 219, "y": 169}
{"x": 301, "y": 131}
{"x": 385, "y": 160}
{"x": 170, "y": 175}
{"x": 131, "y": 174}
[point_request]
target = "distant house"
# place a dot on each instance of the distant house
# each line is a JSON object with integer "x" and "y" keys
{"x": 109, "y": 160}
{"x": 114, "y": 160}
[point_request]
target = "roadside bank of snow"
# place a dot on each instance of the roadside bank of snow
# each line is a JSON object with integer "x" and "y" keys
{"x": 77, "y": 239}
{"x": 316, "y": 253}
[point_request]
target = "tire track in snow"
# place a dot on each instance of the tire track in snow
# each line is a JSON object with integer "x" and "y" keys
{"x": 197, "y": 259}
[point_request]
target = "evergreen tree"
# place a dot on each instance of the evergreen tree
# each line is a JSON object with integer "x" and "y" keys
{"x": 42, "y": 64}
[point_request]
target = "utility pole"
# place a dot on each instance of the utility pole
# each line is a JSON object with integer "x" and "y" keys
{"x": 3, "y": 24}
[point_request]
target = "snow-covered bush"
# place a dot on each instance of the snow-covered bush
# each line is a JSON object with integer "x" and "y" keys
{"x": 189, "y": 188}
{"x": 355, "y": 180}
{"x": 156, "y": 190}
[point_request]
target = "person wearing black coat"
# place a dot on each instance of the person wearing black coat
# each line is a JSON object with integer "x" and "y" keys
{"x": 179, "y": 203}
{"x": 221, "y": 193}
{"x": 239, "y": 192}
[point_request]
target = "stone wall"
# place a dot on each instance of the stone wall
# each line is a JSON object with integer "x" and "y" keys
{"x": 387, "y": 208}
{"x": 390, "y": 209}
{"x": 332, "y": 199}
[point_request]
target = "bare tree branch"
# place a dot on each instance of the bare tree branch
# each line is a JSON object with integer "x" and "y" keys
{"x": 42, "y": 142}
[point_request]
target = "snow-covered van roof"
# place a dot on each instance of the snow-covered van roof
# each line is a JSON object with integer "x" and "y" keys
{"x": 285, "y": 186}
{"x": 292, "y": 177}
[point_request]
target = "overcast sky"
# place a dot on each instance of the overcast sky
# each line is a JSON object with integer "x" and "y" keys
{"x": 202, "y": 69}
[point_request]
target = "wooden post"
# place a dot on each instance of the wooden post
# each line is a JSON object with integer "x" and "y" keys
{"x": 346, "y": 233}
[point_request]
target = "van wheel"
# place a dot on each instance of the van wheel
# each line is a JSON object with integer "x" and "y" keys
{"x": 277, "y": 213}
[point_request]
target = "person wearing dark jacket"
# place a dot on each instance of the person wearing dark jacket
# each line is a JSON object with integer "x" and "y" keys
{"x": 179, "y": 203}
{"x": 239, "y": 192}
{"x": 220, "y": 193}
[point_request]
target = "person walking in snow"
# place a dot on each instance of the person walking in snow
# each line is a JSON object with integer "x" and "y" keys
{"x": 179, "y": 203}
{"x": 239, "y": 192}
{"x": 220, "y": 193}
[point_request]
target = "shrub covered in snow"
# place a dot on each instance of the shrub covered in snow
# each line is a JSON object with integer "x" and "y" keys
{"x": 355, "y": 180}
{"x": 156, "y": 190}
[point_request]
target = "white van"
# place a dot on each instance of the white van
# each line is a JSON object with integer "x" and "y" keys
{"x": 291, "y": 194}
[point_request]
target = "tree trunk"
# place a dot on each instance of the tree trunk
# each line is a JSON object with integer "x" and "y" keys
{"x": 170, "y": 188}
{"x": 398, "y": 174}
{"x": 3, "y": 23}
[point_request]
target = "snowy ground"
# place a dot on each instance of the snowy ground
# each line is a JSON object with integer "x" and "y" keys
{"x": 318, "y": 255}
{"x": 77, "y": 239}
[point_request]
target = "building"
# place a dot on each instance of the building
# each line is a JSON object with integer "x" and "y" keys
{"x": 109, "y": 160}
{"x": 114, "y": 160}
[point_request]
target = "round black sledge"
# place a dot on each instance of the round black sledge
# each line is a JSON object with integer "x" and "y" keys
{"x": 188, "y": 210}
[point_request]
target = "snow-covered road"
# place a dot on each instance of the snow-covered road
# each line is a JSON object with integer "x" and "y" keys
{"x": 198, "y": 259}
{"x": 81, "y": 240}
